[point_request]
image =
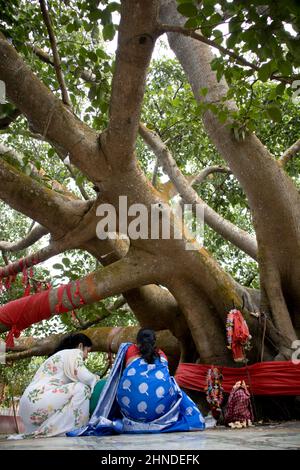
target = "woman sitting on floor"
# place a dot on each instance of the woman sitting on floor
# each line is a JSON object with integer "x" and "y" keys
{"x": 140, "y": 395}
{"x": 57, "y": 399}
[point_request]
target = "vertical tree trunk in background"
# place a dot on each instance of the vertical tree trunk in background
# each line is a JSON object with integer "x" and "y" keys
{"x": 273, "y": 198}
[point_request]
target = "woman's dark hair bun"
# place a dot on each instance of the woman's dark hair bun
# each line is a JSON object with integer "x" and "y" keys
{"x": 146, "y": 341}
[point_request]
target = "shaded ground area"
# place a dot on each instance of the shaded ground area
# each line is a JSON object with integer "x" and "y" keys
{"x": 272, "y": 436}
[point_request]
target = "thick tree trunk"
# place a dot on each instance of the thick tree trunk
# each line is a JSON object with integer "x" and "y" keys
{"x": 200, "y": 292}
{"x": 273, "y": 198}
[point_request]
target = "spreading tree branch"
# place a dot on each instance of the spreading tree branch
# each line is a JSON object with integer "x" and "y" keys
{"x": 50, "y": 209}
{"x": 80, "y": 186}
{"x": 229, "y": 231}
{"x": 127, "y": 273}
{"x": 168, "y": 28}
{"x": 289, "y": 153}
{"x": 48, "y": 116}
{"x": 106, "y": 312}
{"x": 104, "y": 339}
{"x": 31, "y": 260}
{"x": 136, "y": 39}
{"x": 56, "y": 58}
{"x": 32, "y": 237}
{"x": 170, "y": 190}
{"x": 16, "y": 159}
{"x": 198, "y": 179}
{"x": 86, "y": 75}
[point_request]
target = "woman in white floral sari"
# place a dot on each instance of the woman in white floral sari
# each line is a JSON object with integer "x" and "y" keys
{"x": 57, "y": 399}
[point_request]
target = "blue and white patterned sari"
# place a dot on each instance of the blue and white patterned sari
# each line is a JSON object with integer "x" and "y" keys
{"x": 142, "y": 398}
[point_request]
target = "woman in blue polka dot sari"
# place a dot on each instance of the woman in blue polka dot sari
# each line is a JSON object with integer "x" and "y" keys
{"x": 140, "y": 396}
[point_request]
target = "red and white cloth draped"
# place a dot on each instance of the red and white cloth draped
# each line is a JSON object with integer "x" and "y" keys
{"x": 237, "y": 334}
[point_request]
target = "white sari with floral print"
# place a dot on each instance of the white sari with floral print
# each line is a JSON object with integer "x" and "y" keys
{"x": 57, "y": 400}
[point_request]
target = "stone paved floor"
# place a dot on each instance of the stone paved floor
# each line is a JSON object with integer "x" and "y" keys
{"x": 273, "y": 436}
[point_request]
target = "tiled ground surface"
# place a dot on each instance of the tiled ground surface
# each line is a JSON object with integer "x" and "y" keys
{"x": 274, "y": 436}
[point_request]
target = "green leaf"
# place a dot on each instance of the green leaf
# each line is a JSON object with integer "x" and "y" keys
{"x": 93, "y": 56}
{"x": 216, "y": 18}
{"x": 264, "y": 72}
{"x": 87, "y": 26}
{"x": 106, "y": 17}
{"x": 218, "y": 36}
{"x": 220, "y": 72}
{"x": 234, "y": 24}
{"x": 232, "y": 40}
{"x": 187, "y": 9}
{"x": 274, "y": 113}
{"x": 108, "y": 32}
{"x": 206, "y": 30}
{"x": 38, "y": 165}
{"x": 101, "y": 54}
{"x": 95, "y": 15}
{"x": 70, "y": 28}
{"x": 285, "y": 67}
{"x": 97, "y": 121}
{"x": 215, "y": 63}
{"x": 294, "y": 48}
{"x": 104, "y": 106}
{"x": 58, "y": 266}
{"x": 213, "y": 108}
{"x": 280, "y": 89}
{"x": 208, "y": 7}
{"x": 93, "y": 92}
{"x": 66, "y": 262}
{"x": 113, "y": 6}
{"x": 192, "y": 23}
{"x": 77, "y": 24}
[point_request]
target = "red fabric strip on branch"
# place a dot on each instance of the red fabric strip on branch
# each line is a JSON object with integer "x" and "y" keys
{"x": 22, "y": 313}
{"x": 16, "y": 267}
{"x": 266, "y": 378}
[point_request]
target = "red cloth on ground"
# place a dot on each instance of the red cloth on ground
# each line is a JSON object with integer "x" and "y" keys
{"x": 133, "y": 351}
{"x": 238, "y": 407}
{"x": 266, "y": 378}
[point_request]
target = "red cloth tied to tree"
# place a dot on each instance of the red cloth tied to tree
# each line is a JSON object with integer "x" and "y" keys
{"x": 266, "y": 378}
{"x": 22, "y": 313}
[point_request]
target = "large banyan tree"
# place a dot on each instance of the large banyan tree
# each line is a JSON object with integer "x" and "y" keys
{"x": 63, "y": 91}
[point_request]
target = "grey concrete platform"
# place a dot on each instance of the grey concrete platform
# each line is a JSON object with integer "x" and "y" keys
{"x": 272, "y": 436}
